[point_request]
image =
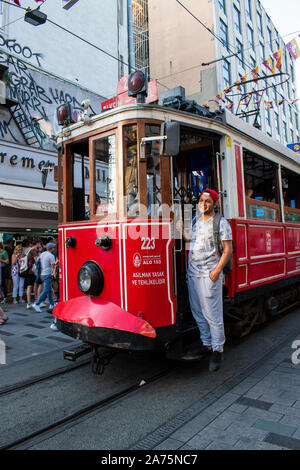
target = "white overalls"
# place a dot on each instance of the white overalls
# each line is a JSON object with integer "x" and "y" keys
{"x": 205, "y": 296}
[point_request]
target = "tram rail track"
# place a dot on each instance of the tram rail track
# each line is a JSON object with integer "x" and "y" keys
{"x": 48, "y": 375}
{"x": 29, "y": 439}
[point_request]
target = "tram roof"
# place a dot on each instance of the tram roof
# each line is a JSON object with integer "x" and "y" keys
{"x": 218, "y": 123}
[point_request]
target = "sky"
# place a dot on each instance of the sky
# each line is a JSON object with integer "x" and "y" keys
{"x": 285, "y": 15}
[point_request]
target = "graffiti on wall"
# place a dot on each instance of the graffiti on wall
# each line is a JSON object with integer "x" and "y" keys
{"x": 37, "y": 95}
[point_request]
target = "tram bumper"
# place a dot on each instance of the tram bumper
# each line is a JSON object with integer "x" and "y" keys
{"x": 104, "y": 323}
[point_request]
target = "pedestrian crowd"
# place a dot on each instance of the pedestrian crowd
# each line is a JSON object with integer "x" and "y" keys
{"x": 29, "y": 270}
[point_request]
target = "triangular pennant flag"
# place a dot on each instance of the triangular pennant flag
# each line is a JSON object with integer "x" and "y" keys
{"x": 238, "y": 85}
{"x": 293, "y": 49}
{"x": 229, "y": 105}
{"x": 268, "y": 63}
{"x": 277, "y": 57}
{"x": 17, "y": 2}
{"x": 243, "y": 79}
{"x": 255, "y": 73}
{"x": 219, "y": 97}
{"x": 269, "y": 104}
{"x": 280, "y": 102}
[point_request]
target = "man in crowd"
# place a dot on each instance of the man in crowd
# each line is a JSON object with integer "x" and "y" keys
{"x": 47, "y": 260}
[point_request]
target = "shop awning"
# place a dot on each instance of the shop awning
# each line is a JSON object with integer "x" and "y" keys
{"x": 31, "y": 199}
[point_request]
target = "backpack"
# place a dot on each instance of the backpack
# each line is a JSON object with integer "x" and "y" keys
{"x": 23, "y": 264}
{"x": 37, "y": 268}
{"x": 216, "y": 228}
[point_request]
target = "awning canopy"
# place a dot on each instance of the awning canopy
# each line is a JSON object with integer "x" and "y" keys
{"x": 31, "y": 199}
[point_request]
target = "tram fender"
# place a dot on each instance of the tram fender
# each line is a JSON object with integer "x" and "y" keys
{"x": 93, "y": 312}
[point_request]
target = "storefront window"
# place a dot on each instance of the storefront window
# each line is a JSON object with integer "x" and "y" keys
{"x": 261, "y": 188}
{"x": 105, "y": 175}
{"x": 290, "y": 195}
{"x": 131, "y": 169}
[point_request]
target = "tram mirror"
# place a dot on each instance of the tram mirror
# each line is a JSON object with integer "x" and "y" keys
{"x": 170, "y": 146}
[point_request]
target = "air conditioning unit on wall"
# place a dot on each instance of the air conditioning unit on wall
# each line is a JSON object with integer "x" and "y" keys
{"x": 66, "y": 4}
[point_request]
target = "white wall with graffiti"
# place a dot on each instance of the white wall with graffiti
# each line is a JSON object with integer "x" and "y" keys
{"x": 34, "y": 97}
{"x": 99, "y": 23}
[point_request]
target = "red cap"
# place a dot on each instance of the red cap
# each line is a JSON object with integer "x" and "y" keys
{"x": 213, "y": 194}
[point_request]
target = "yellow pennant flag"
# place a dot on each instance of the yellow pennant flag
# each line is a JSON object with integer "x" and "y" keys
{"x": 277, "y": 57}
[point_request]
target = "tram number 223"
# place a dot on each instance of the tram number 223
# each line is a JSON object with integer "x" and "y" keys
{"x": 148, "y": 243}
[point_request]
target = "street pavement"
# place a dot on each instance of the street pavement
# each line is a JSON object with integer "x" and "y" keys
{"x": 27, "y": 334}
{"x": 253, "y": 408}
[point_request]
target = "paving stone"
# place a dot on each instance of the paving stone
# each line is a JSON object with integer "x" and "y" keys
{"x": 169, "y": 444}
{"x": 245, "y": 385}
{"x": 248, "y": 443}
{"x": 187, "y": 431}
{"x": 284, "y": 441}
{"x": 243, "y": 430}
{"x": 219, "y": 445}
{"x": 199, "y": 442}
{"x": 225, "y": 401}
{"x": 237, "y": 408}
{"x": 262, "y": 405}
{"x": 273, "y": 427}
{"x": 285, "y": 410}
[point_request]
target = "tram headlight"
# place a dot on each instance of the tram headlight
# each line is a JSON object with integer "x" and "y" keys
{"x": 90, "y": 278}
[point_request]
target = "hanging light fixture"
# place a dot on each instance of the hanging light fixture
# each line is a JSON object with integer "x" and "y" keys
{"x": 35, "y": 17}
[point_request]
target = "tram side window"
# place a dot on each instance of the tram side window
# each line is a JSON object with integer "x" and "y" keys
{"x": 153, "y": 171}
{"x": 131, "y": 169}
{"x": 290, "y": 195}
{"x": 79, "y": 181}
{"x": 105, "y": 175}
{"x": 260, "y": 177}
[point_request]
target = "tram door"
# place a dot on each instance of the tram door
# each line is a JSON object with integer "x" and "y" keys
{"x": 194, "y": 169}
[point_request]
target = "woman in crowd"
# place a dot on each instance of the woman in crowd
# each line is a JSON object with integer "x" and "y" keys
{"x": 18, "y": 282}
{"x": 4, "y": 262}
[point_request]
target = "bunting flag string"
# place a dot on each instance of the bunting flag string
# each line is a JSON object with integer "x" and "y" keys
{"x": 273, "y": 67}
{"x": 17, "y": 2}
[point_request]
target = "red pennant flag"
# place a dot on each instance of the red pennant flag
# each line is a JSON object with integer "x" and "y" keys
{"x": 39, "y": 0}
{"x": 17, "y": 2}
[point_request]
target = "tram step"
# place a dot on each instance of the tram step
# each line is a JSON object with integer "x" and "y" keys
{"x": 76, "y": 352}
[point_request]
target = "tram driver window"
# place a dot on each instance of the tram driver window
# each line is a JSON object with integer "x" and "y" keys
{"x": 131, "y": 170}
{"x": 260, "y": 176}
{"x": 153, "y": 171}
{"x": 105, "y": 175}
{"x": 290, "y": 195}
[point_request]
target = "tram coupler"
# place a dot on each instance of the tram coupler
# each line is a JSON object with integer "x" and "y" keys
{"x": 100, "y": 361}
{"x": 74, "y": 353}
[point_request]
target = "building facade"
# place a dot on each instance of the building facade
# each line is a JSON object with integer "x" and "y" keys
{"x": 42, "y": 67}
{"x": 210, "y": 44}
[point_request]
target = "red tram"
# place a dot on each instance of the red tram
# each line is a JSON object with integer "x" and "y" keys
{"x": 122, "y": 266}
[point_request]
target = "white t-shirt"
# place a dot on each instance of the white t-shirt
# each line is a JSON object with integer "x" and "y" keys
{"x": 47, "y": 259}
{"x": 203, "y": 256}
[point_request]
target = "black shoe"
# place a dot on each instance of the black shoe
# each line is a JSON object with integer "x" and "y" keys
{"x": 195, "y": 352}
{"x": 215, "y": 361}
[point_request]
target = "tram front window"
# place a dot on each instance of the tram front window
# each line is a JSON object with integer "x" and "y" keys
{"x": 104, "y": 175}
{"x": 131, "y": 169}
{"x": 153, "y": 171}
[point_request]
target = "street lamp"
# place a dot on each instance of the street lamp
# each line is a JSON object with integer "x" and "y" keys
{"x": 35, "y": 17}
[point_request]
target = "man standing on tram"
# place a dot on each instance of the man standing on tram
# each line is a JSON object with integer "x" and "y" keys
{"x": 205, "y": 275}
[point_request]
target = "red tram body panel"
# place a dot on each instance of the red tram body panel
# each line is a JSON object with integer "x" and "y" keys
{"x": 142, "y": 302}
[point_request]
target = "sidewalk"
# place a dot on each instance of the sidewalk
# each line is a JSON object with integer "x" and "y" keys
{"x": 27, "y": 333}
{"x": 257, "y": 409}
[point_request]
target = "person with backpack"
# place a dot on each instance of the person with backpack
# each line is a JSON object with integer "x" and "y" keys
{"x": 205, "y": 275}
{"x": 47, "y": 260}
